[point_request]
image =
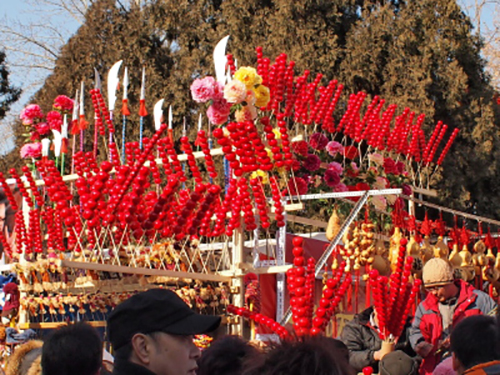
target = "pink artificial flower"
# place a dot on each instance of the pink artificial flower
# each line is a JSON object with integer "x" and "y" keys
{"x": 218, "y": 92}
{"x": 381, "y": 182}
{"x": 331, "y": 177}
{"x": 318, "y": 141}
{"x": 334, "y": 148}
{"x": 63, "y": 103}
{"x": 42, "y": 128}
{"x": 218, "y": 112}
{"x": 246, "y": 113}
{"x": 353, "y": 171}
{"x": 340, "y": 188}
{"x": 379, "y": 202}
{"x": 296, "y": 186}
{"x": 312, "y": 162}
{"x": 202, "y": 90}
{"x": 300, "y": 148}
{"x": 30, "y": 113}
{"x": 31, "y": 150}
{"x": 376, "y": 158}
{"x": 235, "y": 92}
{"x": 55, "y": 121}
{"x": 337, "y": 167}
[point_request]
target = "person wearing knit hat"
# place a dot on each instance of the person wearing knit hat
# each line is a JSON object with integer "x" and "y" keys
{"x": 448, "y": 301}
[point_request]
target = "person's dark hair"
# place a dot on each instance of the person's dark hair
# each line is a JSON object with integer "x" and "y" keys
{"x": 123, "y": 354}
{"x": 316, "y": 355}
{"x": 475, "y": 340}
{"x": 75, "y": 349}
{"x": 226, "y": 356}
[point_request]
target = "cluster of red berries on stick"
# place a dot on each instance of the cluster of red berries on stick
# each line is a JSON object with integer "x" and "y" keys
{"x": 394, "y": 296}
{"x": 258, "y": 318}
{"x": 300, "y": 283}
{"x": 311, "y": 103}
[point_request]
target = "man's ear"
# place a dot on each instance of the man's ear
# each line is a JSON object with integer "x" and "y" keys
{"x": 141, "y": 348}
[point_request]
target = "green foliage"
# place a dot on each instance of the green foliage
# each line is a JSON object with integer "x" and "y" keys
{"x": 8, "y": 93}
{"x": 417, "y": 54}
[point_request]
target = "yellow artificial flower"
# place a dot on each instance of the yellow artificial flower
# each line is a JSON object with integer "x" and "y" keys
{"x": 277, "y": 134}
{"x": 248, "y": 76}
{"x": 262, "y": 95}
{"x": 261, "y": 173}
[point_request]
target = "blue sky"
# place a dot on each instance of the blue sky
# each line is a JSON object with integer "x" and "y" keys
{"x": 23, "y": 11}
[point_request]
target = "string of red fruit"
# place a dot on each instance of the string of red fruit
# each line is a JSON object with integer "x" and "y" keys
{"x": 278, "y": 205}
{"x": 8, "y": 193}
{"x": 447, "y": 147}
{"x": 438, "y": 140}
{"x": 205, "y": 148}
{"x": 195, "y": 171}
{"x": 258, "y": 318}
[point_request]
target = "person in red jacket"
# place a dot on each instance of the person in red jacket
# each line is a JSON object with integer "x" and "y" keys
{"x": 448, "y": 301}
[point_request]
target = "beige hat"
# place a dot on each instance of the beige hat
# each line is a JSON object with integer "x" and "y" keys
{"x": 437, "y": 272}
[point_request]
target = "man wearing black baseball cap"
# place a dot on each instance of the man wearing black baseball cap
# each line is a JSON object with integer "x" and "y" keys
{"x": 152, "y": 334}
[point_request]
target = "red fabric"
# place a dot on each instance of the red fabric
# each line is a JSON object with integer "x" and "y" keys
{"x": 125, "y": 110}
{"x": 64, "y": 146}
{"x": 142, "y": 109}
{"x": 12, "y": 290}
{"x": 267, "y": 297}
{"x": 82, "y": 125}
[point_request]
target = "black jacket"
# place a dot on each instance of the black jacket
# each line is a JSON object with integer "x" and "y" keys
{"x": 362, "y": 341}
{"x": 129, "y": 368}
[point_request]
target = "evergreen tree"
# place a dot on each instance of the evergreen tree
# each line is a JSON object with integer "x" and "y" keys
{"x": 8, "y": 93}
{"x": 417, "y": 54}
{"x": 424, "y": 55}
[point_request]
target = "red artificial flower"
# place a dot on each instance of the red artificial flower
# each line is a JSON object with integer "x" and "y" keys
{"x": 55, "y": 121}
{"x": 42, "y": 128}
{"x": 63, "y": 103}
{"x": 331, "y": 177}
{"x": 360, "y": 186}
{"x": 351, "y": 152}
{"x": 300, "y": 148}
{"x": 318, "y": 141}
{"x": 400, "y": 166}
{"x": 390, "y": 166}
{"x": 296, "y": 186}
{"x": 35, "y": 136}
{"x": 312, "y": 162}
{"x": 295, "y": 165}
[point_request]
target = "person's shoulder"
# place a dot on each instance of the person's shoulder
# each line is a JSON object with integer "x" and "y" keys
{"x": 484, "y": 299}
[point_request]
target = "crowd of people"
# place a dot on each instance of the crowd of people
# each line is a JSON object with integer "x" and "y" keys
{"x": 454, "y": 331}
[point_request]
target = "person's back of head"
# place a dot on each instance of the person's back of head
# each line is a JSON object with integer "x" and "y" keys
{"x": 474, "y": 341}
{"x": 75, "y": 349}
{"x": 303, "y": 357}
{"x": 398, "y": 363}
{"x": 226, "y": 356}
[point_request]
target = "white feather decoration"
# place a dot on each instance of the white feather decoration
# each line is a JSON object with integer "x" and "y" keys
{"x": 113, "y": 84}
